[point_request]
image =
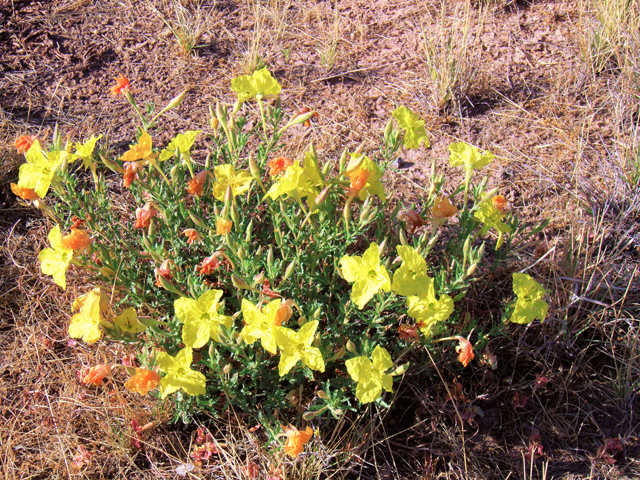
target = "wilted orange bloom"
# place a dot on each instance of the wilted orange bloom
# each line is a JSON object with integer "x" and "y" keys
{"x": 278, "y": 165}
{"x": 465, "y": 351}
{"x": 143, "y": 381}
{"x": 193, "y": 235}
{"x": 76, "y": 240}
{"x": 412, "y": 218}
{"x": 499, "y": 202}
{"x": 131, "y": 170}
{"x": 97, "y": 374}
{"x": 163, "y": 272}
{"x": 144, "y": 216}
{"x": 223, "y": 226}
{"x": 284, "y": 313}
{"x": 443, "y": 209}
{"x": 196, "y": 184}
{"x": 121, "y": 86}
{"x": 28, "y": 194}
{"x": 304, "y": 110}
{"x": 296, "y": 440}
{"x": 210, "y": 264}
{"x": 358, "y": 178}
{"x": 24, "y": 142}
{"x": 408, "y": 332}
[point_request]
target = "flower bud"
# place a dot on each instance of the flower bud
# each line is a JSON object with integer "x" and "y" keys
{"x": 242, "y": 255}
{"x": 471, "y": 270}
{"x": 253, "y": 168}
{"x": 302, "y": 321}
{"x": 322, "y": 394}
{"x": 152, "y": 229}
{"x": 343, "y": 160}
{"x": 403, "y": 237}
{"x": 111, "y": 165}
{"x": 175, "y": 101}
{"x": 466, "y": 247}
{"x": 235, "y": 215}
{"x": 240, "y": 283}
{"x": 270, "y": 257}
{"x": 289, "y": 271}
{"x": 248, "y": 232}
{"x": 351, "y": 348}
{"x": 316, "y": 313}
{"x": 227, "y": 369}
{"x": 321, "y": 196}
{"x": 382, "y": 247}
{"x": 259, "y": 279}
{"x": 360, "y": 148}
{"x": 402, "y": 369}
{"x": 197, "y": 220}
{"x": 388, "y": 130}
{"x": 316, "y": 340}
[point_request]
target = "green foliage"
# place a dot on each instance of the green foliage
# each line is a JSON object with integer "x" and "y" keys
{"x": 299, "y": 254}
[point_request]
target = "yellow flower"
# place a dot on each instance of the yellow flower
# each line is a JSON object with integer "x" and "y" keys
{"x": 471, "y": 158}
{"x": 55, "y": 261}
{"x": 428, "y": 310}
{"x": 370, "y": 374}
{"x": 226, "y": 176}
{"x": 411, "y": 278}
{"x": 127, "y": 321}
{"x": 261, "y": 324}
{"x": 258, "y": 84}
{"x": 530, "y": 304}
{"x": 180, "y": 376}
{"x": 365, "y": 178}
{"x": 414, "y": 129}
{"x": 201, "y": 318}
{"x": 39, "y": 170}
{"x": 492, "y": 217}
{"x": 86, "y": 323}
{"x": 296, "y": 347}
{"x": 369, "y": 276}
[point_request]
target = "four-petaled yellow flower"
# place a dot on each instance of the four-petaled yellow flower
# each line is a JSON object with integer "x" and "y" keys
{"x": 370, "y": 375}
{"x": 55, "y": 261}
{"x": 428, "y": 310}
{"x": 201, "y": 318}
{"x": 411, "y": 278}
{"x": 39, "y": 170}
{"x": 84, "y": 151}
{"x": 127, "y": 321}
{"x": 142, "y": 152}
{"x": 414, "y": 129}
{"x": 369, "y": 276}
{"x": 261, "y": 324}
{"x": 181, "y": 142}
{"x": 226, "y": 176}
{"x": 298, "y": 181}
{"x": 296, "y": 347}
{"x": 86, "y": 323}
{"x": 471, "y": 158}
{"x": 258, "y": 84}
{"x": 180, "y": 376}
{"x": 492, "y": 217}
{"x": 530, "y": 304}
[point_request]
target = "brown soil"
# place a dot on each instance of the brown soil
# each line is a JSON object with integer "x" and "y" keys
{"x": 551, "y": 123}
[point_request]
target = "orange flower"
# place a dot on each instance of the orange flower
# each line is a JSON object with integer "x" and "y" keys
{"x": 443, "y": 209}
{"x": 143, "y": 381}
{"x": 412, "y": 218}
{"x": 131, "y": 170}
{"x": 465, "y": 351}
{"x": 25, "y": 193}
{"x": 278, "y": 165}
{"x": 284, "y": 313}
{"x": 163, "y": 272}
{"x": 121, "y": 86}
{"x": 97, "y": 374}
{"x": 358, "y": 178}
{"x": 196, "y": 184}
{"x": 193, "y": 235}
{"x": 296, "y": 440}
{"x": 24, "y": 142}
{"x": 499, "y": 202}
{"x": 223, "y": 226}
{"x": 210, "y": 264}
{"x": 76, "y": 240}
{"x": 408, "y": 332}
{"x": 144, "y": 216}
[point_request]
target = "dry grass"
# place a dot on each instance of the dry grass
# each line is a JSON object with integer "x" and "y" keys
{"x": 551, "y": 87}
